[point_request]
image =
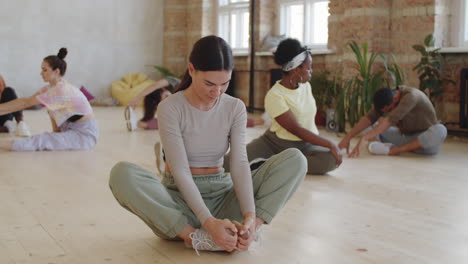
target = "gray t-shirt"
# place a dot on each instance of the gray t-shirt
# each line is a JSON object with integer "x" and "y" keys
{"x": 195, "y": 138}
{"x": 414, "y": 112}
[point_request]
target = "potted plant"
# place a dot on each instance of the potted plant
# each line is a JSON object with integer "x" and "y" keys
{"x": 356, "y": 97}
{"x": 325, "y": 91}
{"x": 430, "y": 69}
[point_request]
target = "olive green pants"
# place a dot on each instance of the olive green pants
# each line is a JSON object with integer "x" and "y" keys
{"x": 319, "y": 160}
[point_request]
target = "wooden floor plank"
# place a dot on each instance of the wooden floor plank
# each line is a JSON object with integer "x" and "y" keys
{"x": 56, "y": 207}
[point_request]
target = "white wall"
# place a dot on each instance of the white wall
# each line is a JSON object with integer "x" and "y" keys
{"x": 105, "y": 40}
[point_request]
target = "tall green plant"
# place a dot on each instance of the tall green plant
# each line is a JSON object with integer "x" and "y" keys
{"x": 360, "y": 88}
{"x": 396, "y": 73}
{"x": 356, "y": 98}
{"x": 430, "y": 68}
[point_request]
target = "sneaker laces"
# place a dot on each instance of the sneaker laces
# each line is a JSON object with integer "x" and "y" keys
{"x": 258, "y": 240}
{"x": 202, "y": 240}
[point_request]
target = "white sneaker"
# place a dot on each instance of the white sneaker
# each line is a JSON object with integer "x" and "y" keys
{"x": 257, "y": 243}
{"x": 160, "y": 164}
{"x": 11, "y": 126}
{"x": 202, "y": 240}
{"x": 379, "y": 148}
{"x": 130, "y": 117}
{"x": 22, "y": 130}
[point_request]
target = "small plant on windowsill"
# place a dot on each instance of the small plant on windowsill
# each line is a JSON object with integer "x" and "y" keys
{"x": 430, "y": 69}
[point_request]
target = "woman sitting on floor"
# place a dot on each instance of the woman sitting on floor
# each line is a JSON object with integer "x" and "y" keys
{"x": 195, "y": 196}
{"x": 291, "y": 106}
{"x": 71, "y": 115}
{"x": 153, "y": 95}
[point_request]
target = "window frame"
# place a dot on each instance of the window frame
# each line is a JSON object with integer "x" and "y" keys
{"x": 307, "y": 21}
{"x": 463, "y": 22}
{"x": 234, "y": 8}
{"x": 458, "y": 24}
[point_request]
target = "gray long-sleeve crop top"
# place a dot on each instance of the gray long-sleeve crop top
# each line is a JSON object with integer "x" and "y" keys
{"x": 195, "y": 138}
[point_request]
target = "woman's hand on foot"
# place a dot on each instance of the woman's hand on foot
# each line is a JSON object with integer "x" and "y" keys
{"x": 223, "y": 233}
{"x": 246, "y": 232}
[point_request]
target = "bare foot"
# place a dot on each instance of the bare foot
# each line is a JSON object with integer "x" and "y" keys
{"x": 142, "y": 124}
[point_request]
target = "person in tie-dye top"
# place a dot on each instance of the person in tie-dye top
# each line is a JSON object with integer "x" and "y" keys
{"x": 71, "y": 115}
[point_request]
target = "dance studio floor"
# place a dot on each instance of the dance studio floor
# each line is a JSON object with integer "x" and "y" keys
{"x": 56, "y": 207}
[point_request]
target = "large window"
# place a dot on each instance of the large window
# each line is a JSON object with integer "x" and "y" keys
{"x": 459, "y": 24}
{"x": 233, "y": 22}
{"x": 305, "y": 20}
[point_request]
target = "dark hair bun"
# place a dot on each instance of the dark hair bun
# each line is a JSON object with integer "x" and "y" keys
{"x": 62, "y": 53}
{"x": 287, "y": 50}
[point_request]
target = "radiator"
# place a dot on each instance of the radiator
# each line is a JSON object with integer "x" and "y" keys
{"x": 464, "y": 98}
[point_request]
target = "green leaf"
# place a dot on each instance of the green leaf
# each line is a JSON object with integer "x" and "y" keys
{"x": 429, "y": 40}
{"x": 436, "y": 93}
{"x": 420, "y": 48}
{"x": 164, "y": 71}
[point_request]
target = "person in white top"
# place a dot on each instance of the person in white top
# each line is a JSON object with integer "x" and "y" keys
{"x": 71, "y": 115}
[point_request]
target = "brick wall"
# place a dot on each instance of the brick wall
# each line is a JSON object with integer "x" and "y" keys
{"x": 175, "y": 36}
{"x": 185, "y": 21}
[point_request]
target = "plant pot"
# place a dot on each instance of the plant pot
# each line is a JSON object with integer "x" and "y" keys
{"x": 320, "y": 118}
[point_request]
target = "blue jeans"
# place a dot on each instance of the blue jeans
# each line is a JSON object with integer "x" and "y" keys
{"x": 430, "y": 139}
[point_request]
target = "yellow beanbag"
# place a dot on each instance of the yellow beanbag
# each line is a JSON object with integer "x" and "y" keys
{"x": 129, "y": 87}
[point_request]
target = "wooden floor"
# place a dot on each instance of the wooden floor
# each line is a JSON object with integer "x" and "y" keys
{"x": 56, "y": 207}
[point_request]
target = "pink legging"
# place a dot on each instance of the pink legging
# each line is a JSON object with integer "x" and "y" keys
{"x": 152, "y": 124}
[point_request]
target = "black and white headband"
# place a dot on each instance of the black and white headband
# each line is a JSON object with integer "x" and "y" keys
{"x": 296, "y": 61}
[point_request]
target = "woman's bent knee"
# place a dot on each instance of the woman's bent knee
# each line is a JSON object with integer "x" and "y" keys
{"x": 294, "y": 158}
{"x": 321, "y": 164}
{"x": 119, "y": 174}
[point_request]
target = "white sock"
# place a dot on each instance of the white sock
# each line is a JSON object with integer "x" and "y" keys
{"x": 379, "y": 148}
{"x": 11, "y": 126}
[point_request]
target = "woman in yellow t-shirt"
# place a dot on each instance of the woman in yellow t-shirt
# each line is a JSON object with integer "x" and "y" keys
{"x": 292, "y": 107}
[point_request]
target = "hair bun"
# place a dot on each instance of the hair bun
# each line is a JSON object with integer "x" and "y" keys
{"x": 62, "y": 53}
